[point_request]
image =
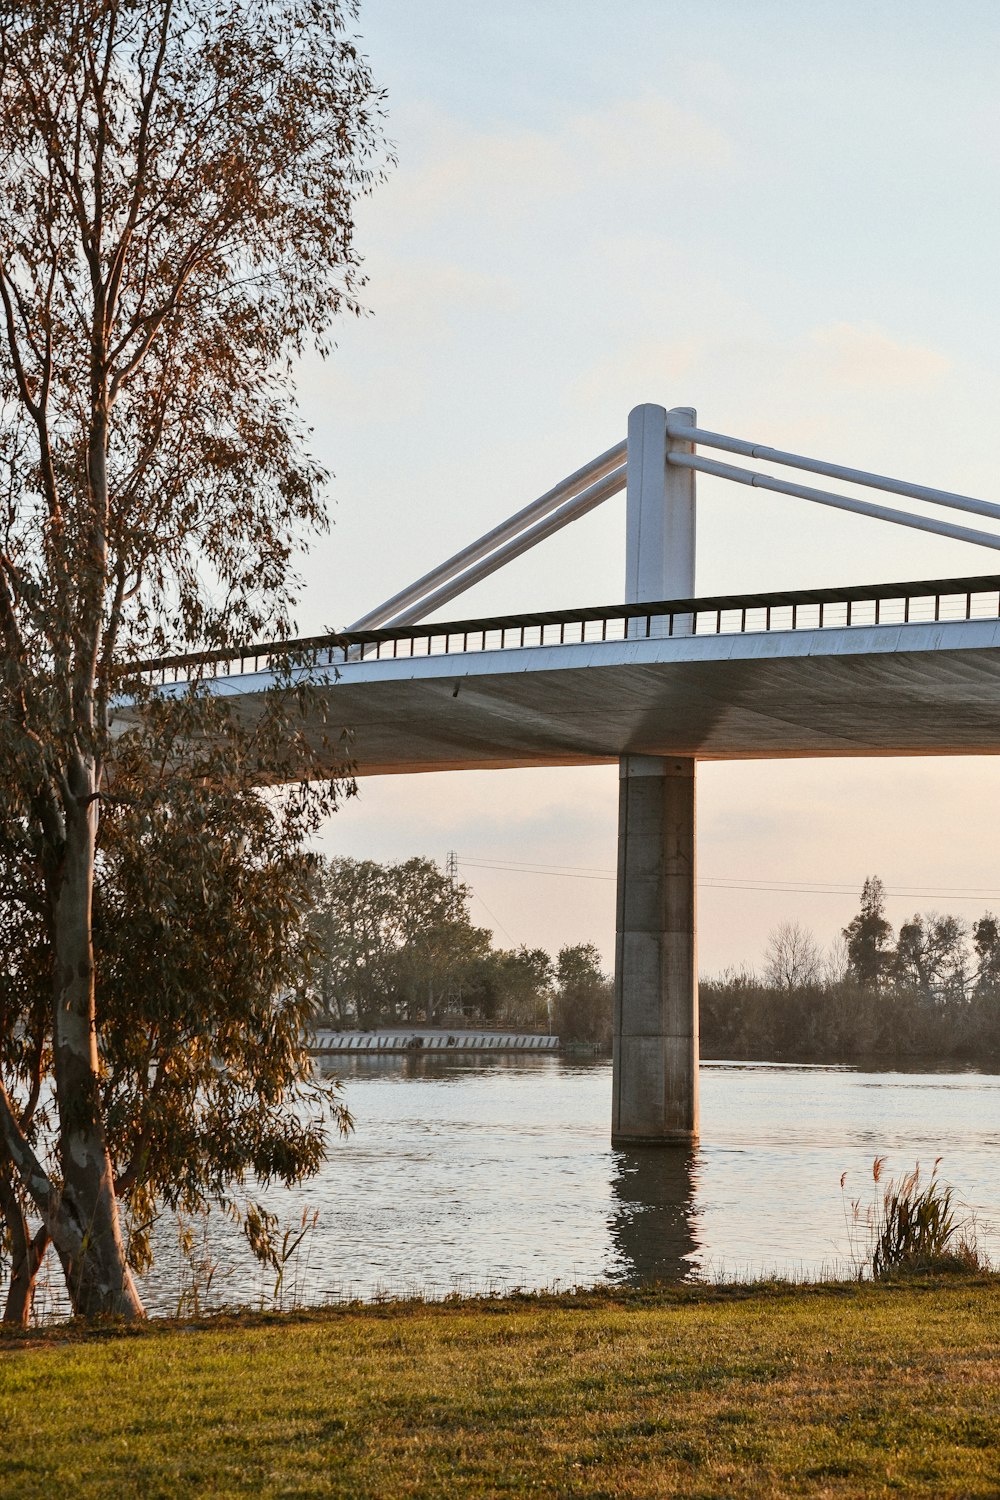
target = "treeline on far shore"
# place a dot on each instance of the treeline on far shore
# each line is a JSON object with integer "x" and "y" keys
{"x": 398, "y": 945}
{"x": 836, "y": 1021}
{"x": 930, "y": 991}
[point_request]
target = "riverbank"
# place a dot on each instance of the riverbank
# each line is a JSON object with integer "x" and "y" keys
{"x": 846, "y": 1390}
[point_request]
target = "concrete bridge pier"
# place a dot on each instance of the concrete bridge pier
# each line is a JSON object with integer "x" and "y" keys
{"x": 656, "y": 967}
{"x": 655, "y": 1100}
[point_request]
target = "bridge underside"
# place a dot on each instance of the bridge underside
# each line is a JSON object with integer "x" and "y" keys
{"x": 893, "y": 690}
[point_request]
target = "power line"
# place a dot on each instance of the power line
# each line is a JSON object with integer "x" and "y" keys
{"x": 520, "y": 869}
{"x": 536, "y": 864}
{"x": 739, "y": 883}
{"x": 495, "y": 920}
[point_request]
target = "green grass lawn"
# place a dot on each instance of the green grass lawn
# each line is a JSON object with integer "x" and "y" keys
{"x": 855, "y": 1390}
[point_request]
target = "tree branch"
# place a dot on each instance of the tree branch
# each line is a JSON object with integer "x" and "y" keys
{"x": 30, "y": 1170}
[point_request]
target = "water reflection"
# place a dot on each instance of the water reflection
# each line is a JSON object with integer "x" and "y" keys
{"x": 482, "y": 1173}
{"x": 441, "y": 1068}
{"x": 652, "y": 1225}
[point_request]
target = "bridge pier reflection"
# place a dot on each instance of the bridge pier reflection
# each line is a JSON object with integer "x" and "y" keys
{"x": 652, "y": 1225}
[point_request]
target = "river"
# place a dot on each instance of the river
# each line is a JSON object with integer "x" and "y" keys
{"x": 476, "y": 1174}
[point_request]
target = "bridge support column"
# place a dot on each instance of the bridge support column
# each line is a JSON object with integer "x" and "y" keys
{"x": 656, "y": 968}
{"x": 656, "y": 963}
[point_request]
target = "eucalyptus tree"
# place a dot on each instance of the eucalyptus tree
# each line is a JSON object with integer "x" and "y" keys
{"x": 177, "y": 190}
{"x": 204, "y": 954}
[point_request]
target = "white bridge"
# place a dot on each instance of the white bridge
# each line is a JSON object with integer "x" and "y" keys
{"x": 656, "y": 684}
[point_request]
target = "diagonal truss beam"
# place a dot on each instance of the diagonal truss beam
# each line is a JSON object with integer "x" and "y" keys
{"x": 579, "y": 505}
{"x": 574, "y": 496}
{"x": 687, "y": 434}
{"x": 840, "y": 502}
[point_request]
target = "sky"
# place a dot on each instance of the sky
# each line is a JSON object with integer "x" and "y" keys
{"x": 785, "y": 215}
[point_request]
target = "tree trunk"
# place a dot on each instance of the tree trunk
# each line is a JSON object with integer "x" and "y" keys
{"x": 87, "y": 1230}
{"x": 27, "y": 1254}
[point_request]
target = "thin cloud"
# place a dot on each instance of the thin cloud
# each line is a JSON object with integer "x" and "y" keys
{"x": 506, "y": 174}
{"x": 868, "y": 358}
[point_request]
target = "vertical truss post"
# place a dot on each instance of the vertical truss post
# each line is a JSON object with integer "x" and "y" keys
{"x": 659, "y": 513}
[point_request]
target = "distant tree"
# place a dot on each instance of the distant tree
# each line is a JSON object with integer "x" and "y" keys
{"x": 584, "y": 996}
{"x": 358, "y": 921}
{"x": 793, "y": 960}
{"x": 931, "y": 958}
{"x": 732, "y": 1018}
{"x": 521, "y": 979}
{"x": 937, "y": 995}
{"x": 986, "y": 941}
{"x": 836, "y": 963}
{"x": 868, "y": 937}
{"x": 437, "y": 964}
{"x": 397, "y": 940}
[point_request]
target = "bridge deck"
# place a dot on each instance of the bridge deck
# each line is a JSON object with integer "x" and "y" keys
{"x": 928, "y": 688}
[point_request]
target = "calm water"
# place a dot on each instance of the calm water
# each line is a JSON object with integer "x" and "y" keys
{"x": 469, "y": 1173}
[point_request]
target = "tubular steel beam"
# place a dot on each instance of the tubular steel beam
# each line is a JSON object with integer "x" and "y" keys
{"x": 691, "y": 434}
{"x": 392, "y": 610}
{"x": 586, "y": 500}
{"x": 839, "y": 502}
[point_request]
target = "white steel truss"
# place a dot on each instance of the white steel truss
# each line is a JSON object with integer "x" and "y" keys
{"x": 608, "y": 475}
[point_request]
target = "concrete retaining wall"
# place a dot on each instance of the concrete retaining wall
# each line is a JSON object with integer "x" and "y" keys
{"x": 430, "y": 1040}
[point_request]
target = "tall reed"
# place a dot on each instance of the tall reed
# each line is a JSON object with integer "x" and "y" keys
{"x": 911, "y": 1226}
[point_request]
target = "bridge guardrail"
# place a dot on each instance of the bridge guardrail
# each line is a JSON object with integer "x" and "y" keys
{"x": 926, "y": 600}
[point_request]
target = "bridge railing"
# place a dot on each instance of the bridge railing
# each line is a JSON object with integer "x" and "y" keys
{"x": 925, "y": 601}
